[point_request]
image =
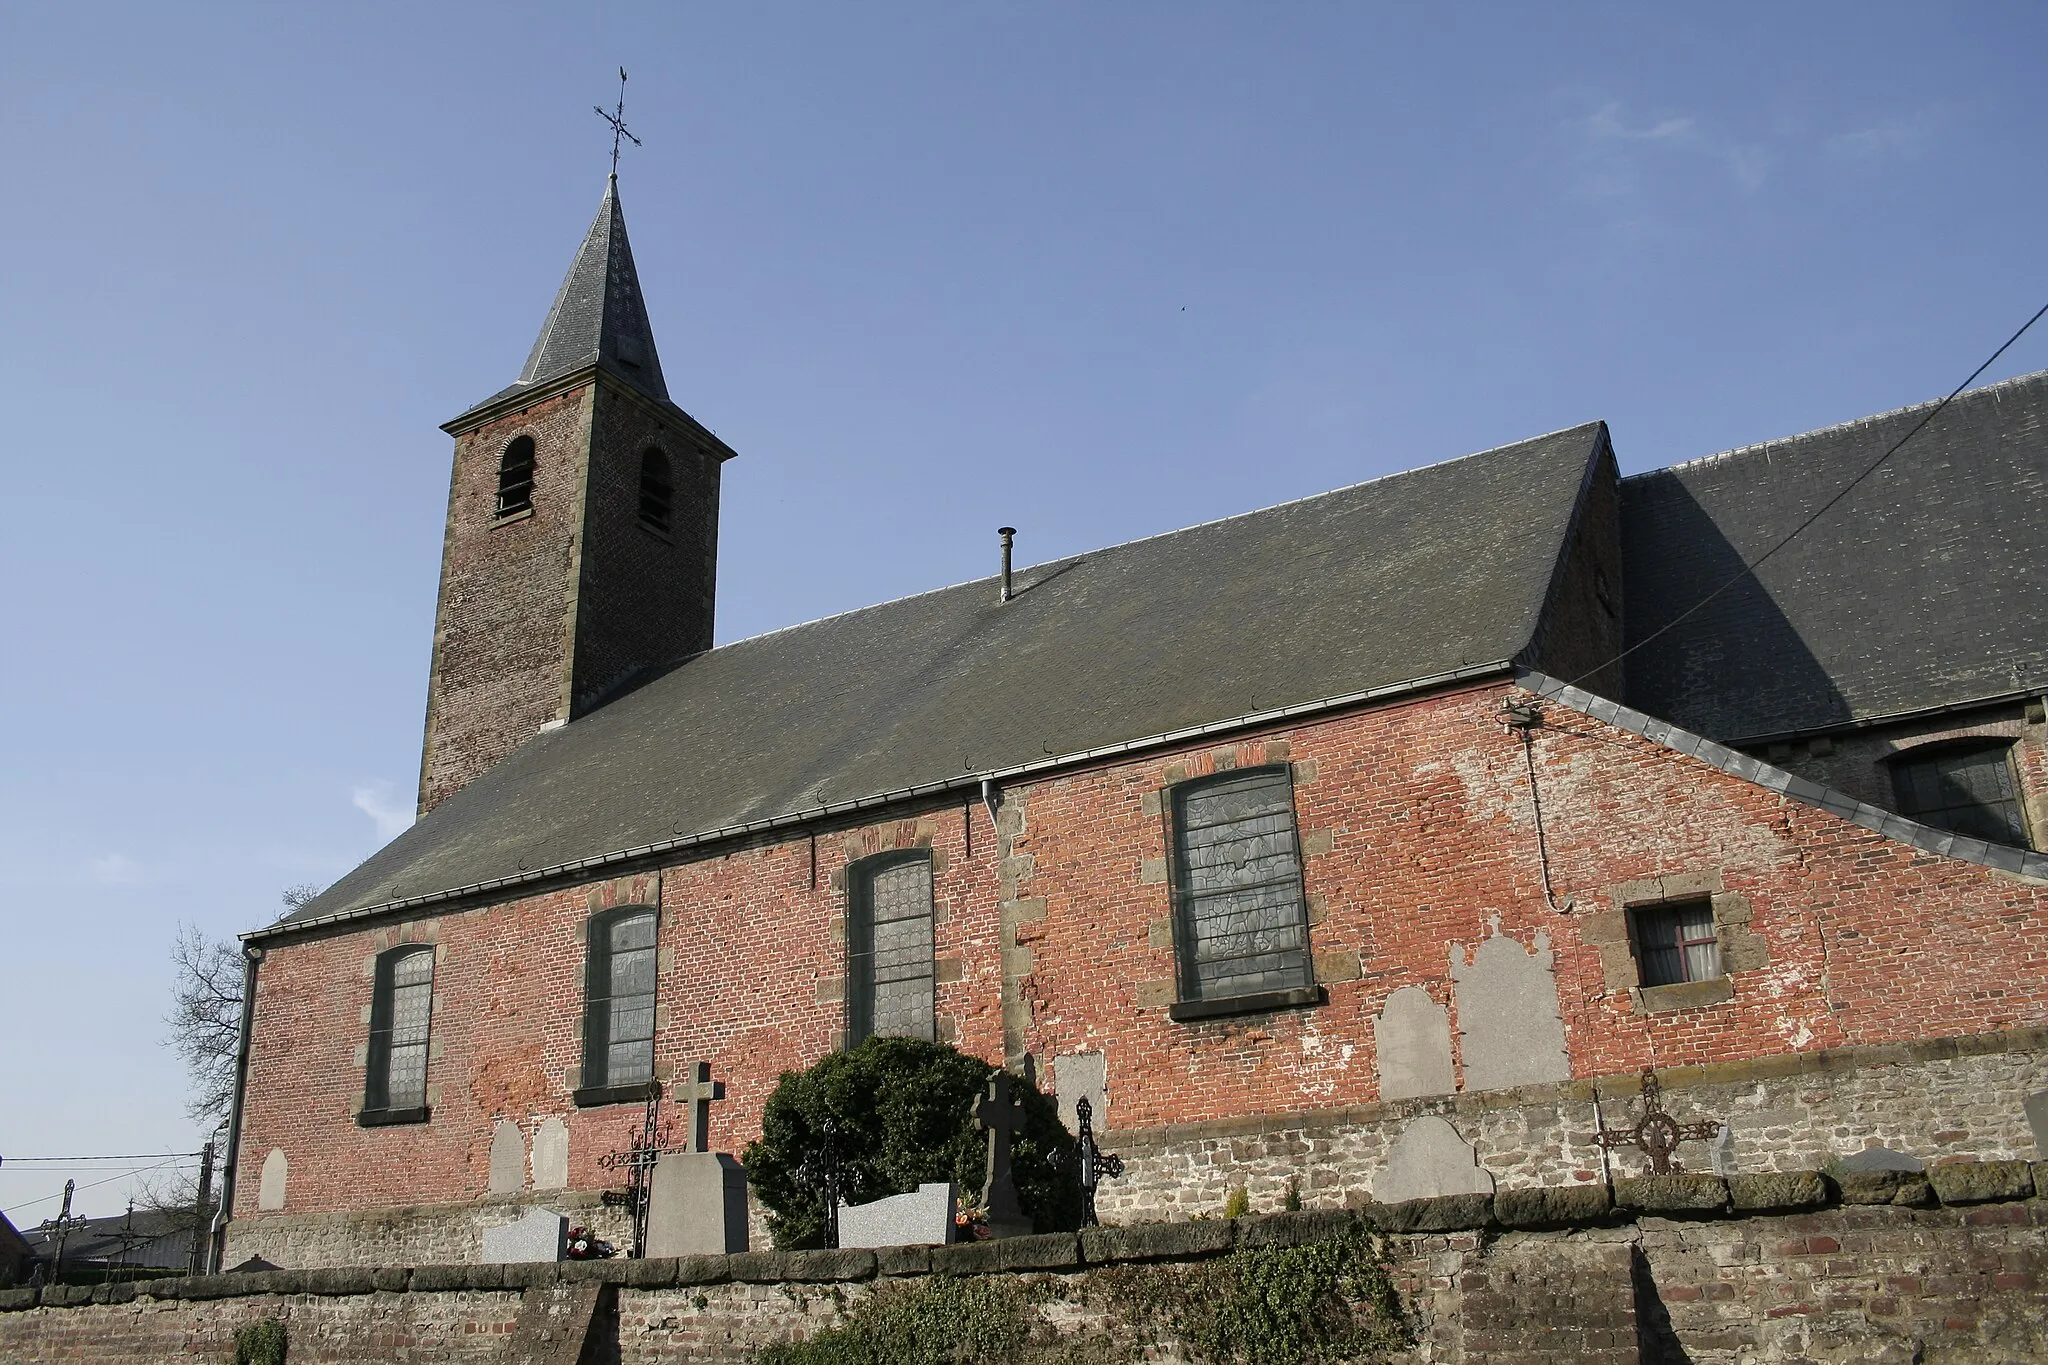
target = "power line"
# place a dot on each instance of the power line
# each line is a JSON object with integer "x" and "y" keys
{"x": 49, "y": 1198}
{"x": 1751, "y": 567}
{"x": 74, "y": 1160}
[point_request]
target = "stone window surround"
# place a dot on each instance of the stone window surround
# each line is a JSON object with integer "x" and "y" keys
{"x": 517, "y": 514}
{"x": 424, "y": 933}
{"x": 947, "y": 968}
{"x": 1613, "y": 933}
{"x": 862, "y": 870}
{"x": 631, "y": 1092}
{"x": 1325, "y": 968}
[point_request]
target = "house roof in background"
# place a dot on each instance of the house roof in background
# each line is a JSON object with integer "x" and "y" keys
{"x": 1923, "y": 588}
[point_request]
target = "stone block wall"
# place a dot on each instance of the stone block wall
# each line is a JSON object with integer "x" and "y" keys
{"x": 1668, "y": 1273}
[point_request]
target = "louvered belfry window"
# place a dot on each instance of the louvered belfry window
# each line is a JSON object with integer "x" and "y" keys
{"x": 1242, "y": 921}
{"x": 618, "y": 1040}
{"x": 657, "y": 489}
{"x": 1965, "y": 788}
{"x": 515, "y": 477}
{"x": 890, "y": 975}
{"x": 401, "y": 1011}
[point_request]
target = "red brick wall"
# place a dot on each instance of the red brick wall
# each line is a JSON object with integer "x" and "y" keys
{"x": 502, "y": 626}
{"x": 1417, "y": 830}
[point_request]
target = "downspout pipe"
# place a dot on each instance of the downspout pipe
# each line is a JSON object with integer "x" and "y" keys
{"x": 988, "y": 802}
{"x": 216, "y": 1235}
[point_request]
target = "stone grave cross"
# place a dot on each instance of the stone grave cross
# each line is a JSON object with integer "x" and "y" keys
{"x": 637, "y": 1159}
{"x": 999, "y": 1114}
{"x": 698, "y": 1091}
{"x": 1658, "y": 1134}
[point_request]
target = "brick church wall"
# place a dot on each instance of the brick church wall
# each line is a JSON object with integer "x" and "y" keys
{"x": 1420, "y": 845}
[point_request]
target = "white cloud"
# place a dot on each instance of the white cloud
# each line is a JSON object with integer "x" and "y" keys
{"x": 1613, "y": 148}
{"x": 1905, "y": 136}
{"x": 392, "y": 815}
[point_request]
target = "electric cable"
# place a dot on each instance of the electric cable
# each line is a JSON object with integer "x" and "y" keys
{"x": 1751, "y": 567}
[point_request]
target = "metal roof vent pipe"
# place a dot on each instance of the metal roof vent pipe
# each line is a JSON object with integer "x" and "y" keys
{"x": 1009, "y": 535}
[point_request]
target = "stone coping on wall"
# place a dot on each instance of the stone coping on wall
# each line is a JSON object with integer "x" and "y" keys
{"x": 2005, "y": 858}
{"x": 1618, "y": 1087}
{"x": 1974, "y": 1186}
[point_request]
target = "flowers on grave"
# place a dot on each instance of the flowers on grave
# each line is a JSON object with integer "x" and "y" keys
{"x": 585, "y": 1245}
{"x": 970, "y": 1224}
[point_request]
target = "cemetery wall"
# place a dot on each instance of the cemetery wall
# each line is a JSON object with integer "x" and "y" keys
{"x": 1445, "y": 970}
{"x": 1673, "y": 1270}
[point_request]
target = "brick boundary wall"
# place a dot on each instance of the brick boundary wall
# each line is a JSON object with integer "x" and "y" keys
{"x": 1791, "y": 1266}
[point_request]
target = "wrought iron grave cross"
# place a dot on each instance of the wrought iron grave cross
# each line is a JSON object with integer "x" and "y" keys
{"x": 1658, "y": 1134}
{"x": 820, "y": 1170}
{"x": 637, "y": 1159}
{"x": 1096, "y": 1164}
{"x": 618, "y": 123}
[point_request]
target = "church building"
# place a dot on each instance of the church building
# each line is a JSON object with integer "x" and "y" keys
{"x": 1447, "y": 803}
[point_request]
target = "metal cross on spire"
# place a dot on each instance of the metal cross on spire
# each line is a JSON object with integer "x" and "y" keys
{"x": 618, "y": 122}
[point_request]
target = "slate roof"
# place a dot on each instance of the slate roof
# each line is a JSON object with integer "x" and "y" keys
{"x": 1408, "y": 577}
{"x": 1923, "y": 588}
{"x": 598, "y": 317}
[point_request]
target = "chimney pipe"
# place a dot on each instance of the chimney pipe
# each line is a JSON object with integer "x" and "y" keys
{"x": 1009, "y": 535}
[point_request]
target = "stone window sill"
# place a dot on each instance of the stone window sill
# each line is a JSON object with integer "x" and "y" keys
{"x": 1684, "y": 995}
{"x": 385, "y": 1118}
{"x": 523, "y": 514}
{"x": 1265, "y": 1002}
{"x": 593, "y": 1096}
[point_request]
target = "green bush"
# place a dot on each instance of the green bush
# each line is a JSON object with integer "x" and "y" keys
{"x": 983, "y": 1320}
{"x": 260, "y": 1343}
{"x": 903, "y": 1110}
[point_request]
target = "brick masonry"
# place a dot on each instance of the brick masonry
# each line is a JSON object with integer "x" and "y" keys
{"x": 1966, "y": 1284}
{"x": 1055, "y": 937}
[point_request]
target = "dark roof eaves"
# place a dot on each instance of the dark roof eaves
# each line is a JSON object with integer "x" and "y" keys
{"x": 1891, "y": 825}
{"x": 967, "y": 781}
{"x": 514, "y": 399}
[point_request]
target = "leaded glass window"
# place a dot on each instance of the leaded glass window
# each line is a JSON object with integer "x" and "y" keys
{"x": 889, "y": 948}
{"x": 1965, "y": 789}
{"x": 1242, "y": 920}
{"x": 619, "y": 1020}
{"x": 400, "y": 1014}
{"x": 1677, "y": 943}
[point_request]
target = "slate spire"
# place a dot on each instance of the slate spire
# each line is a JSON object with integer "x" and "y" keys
{"x": 599, "y": 317}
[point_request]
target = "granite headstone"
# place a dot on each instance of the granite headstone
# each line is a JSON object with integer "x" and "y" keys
{"x": 1883, "y": 1159}
{"x": 542, "y": 1235}
{"x": 924, "y": 1217}
{"x": 697, "y": 1205}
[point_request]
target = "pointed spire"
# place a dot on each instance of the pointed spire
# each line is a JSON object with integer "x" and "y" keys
{"x": 598, "y": 318}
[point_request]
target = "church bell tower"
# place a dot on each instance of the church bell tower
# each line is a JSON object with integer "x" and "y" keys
{"x": 581, "y": 549}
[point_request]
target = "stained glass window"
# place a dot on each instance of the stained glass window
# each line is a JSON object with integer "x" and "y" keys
{"x": 1966, "y": 789}
{"x": 889, "y": 948}
{"x": 619, "y": 1023}
{"x": 400, "y": 1014}
{"x": 1243, "y": 923}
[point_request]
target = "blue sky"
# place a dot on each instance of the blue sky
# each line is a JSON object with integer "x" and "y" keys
{"x": 1095, "y": 271}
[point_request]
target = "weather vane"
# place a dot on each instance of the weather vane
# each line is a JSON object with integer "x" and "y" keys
{"x": 618, "y": 122}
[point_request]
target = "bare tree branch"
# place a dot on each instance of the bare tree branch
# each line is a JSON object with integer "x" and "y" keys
{"x": 205, "y": 1018}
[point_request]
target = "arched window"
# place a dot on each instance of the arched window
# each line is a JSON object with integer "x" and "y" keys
{"x": 657, "y": 489}
{"x": 515, "y": 477}
{"x": 401, "y": 1011}
{"x": 1241, "y": 919}
{"x": 1965, "y": 787}
{"x": 618, "y": 1016}
{"x": 889, "y": 974}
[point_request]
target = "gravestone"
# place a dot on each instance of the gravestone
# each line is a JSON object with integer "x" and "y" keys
{"x": 999, "y": 1115}
{"x": 551, "y": 1155}
{"x": 697, "y": 1205}
{"x": 924, "y": 1217}
{"x": 1509, "y": 1026}
{"x": 508, "y": 1158}
{"x": 276, "y": 1171}
{"x": 695, "y": 1090}
{"x": 1429, "y": 1159}
{"x": 1081, "y": 1076}
{"x": 1883, "y": 1159}
{"x": 542, "y": 1235}
{"x": 1412, "y": 1038}
{"x": 2037, "y": 1119}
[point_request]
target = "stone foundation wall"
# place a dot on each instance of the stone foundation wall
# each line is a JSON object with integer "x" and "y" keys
{"x": 1785, "y": 1268}
{"x": 430, "y": 1234}
{"x": 1954, "y": 1098}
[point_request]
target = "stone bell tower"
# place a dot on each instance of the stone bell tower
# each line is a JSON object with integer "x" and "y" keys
{"x": 581, "y": 549}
